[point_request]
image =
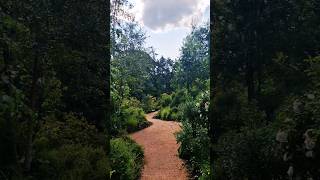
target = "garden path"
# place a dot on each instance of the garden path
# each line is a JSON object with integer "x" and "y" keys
{"x": 160, "y": 150}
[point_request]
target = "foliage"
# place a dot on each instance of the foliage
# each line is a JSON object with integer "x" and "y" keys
{"x": 166, "y": 113}
{"x": 128, "y": 117}
{"x": 161, "y": 77}
{"x": 126, "y": 158}
{"x": 263, "y": 88}
{"x": 132, "y": 69}
{"x": 169, "y": 104}
{"x": 194, "y": 61}
{"x": 150, "y": 104}
{"x": 53, "y": 77}
{"x": 194, "y": 135}
{"x": 178, "y": 97}
{"x": 250, "y": 146}
{"x": 298, "y": 133}
{"x": 68, "y": 130}
{"x": 247, "y": 154}
{"x": 72, "y": 161}
{"x": 165, "y": 100}
{"x": 70, "y": 148}
{"x": 135, "y": 119}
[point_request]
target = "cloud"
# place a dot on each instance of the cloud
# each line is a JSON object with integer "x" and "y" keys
{"x": 160, "y": 15}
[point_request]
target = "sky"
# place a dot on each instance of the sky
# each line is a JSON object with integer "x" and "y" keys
{"x": 168, "y": 22}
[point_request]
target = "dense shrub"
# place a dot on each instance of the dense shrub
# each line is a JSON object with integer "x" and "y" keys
{"x": 249, "y": 154}
{"x": 165, "y": 100}
{"x": 70, "y": 129}
{"x": 126, "y": 159}
{"x": 168, "y": 113}
{"x": 69, "y": 148}
{"x": 298, "y": 135}
{"x": 128, "y": 117}
{"x": 74, "y": 162}
{"x": 135, "y": 119}
{"x": 150, "y": 104}
{"x": 179, "y": 97}
{"x": 171, "y": 105}
{"x": 254, "y": 141}
{"x": 130, "y": 102}
{"x": 194, "y": 141}
{"x": 194, "y": 137}
{"x": 164, "y": 113}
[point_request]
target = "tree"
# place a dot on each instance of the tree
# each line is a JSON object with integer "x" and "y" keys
{"x": 257, "y": 59}
{"x": 42, "y": 43}
{"x": 193, "y": 63}
{"x": 161, "y": 76}
{"x": 132, "y": 68}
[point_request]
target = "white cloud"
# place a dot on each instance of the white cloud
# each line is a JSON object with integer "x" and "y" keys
{"x": 160, "y": 15}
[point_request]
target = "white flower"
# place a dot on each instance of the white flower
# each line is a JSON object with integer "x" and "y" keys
{"x": 308, "y": 141}
{"x": 290, "y": 172}
{"x": 286, "y": 157}
{"x": 282, "y": 136}
{"x": 206, "y": 106}
{"x": 311, "y": 96}
{"x": 297, "y": 106}
{"x": 288, "y": 120}
{"x": 309, "y": 154}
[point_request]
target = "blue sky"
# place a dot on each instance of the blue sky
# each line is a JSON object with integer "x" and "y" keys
{"x": 168, "y": 22}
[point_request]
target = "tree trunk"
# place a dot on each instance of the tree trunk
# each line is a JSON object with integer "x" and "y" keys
{"x": 9, "y": 141}
{"x": 250, "y": 82}
{"x": 33, "y": 104}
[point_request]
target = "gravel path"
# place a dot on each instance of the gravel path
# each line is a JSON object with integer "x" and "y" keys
{"x": 160, "y": 150}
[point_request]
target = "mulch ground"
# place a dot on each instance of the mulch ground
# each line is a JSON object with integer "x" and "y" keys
{"x": 160, "y": 150}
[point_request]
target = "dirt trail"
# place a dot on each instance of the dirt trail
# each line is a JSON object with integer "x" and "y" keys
{"x": 160, "y": 150}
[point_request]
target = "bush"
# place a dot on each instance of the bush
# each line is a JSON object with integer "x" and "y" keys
{"x": 132, "y": 124}
{"x": 164, "y": 113}
{"x": 130, "y": 102}
{"x": 74, "y": 162}
{"x": 69, "y": 148}
{"x": 193, "y": 141}
{"x": 135, "y": 119}
{"x": 179, "y": 97}
{"x": 168, "y": 113}
{"x": 165, "y": 100}
{"x": 194, "y": 138}
{"x": 70, "y": 129}
{"x": 150, "y": 104}
{"x": 126, "y": 159}
{"x": 128, "y": 117}
{"x": 171, "y": 106}
{"x": 298, "y": 134}
{"x": 249, "y": 154}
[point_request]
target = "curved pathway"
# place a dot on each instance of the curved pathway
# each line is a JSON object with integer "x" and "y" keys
{"x": 160, "y": 150}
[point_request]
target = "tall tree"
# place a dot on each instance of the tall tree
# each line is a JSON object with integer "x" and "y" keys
{"x": 194, "y": 61}
{"x": 55, "y": 61}
{"x": 258, "y": 65}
